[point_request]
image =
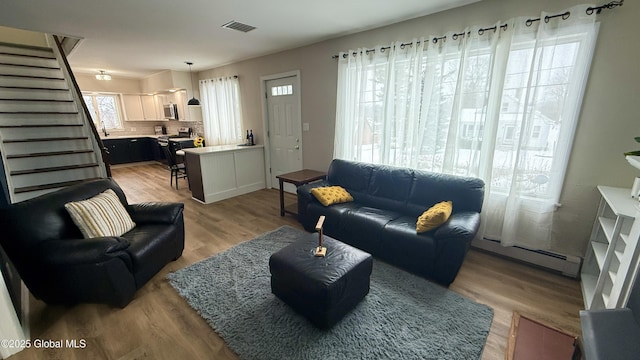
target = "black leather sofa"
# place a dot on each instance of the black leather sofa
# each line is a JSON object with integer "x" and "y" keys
{"x": 59, "y": 266}
{"x": 382, "y": 218}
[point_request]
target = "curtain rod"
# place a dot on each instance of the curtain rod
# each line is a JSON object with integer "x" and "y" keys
{"x": 222, "y": 77}
{"x": 565, "y": 15}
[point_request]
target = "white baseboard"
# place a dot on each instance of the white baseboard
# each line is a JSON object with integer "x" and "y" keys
{"x": 565, "y": 264}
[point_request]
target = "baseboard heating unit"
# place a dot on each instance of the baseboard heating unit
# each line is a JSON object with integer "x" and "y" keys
{"x": 565, "y": 264}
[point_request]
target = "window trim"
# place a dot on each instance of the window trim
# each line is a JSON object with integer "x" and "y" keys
{"x": 119, "y": 108}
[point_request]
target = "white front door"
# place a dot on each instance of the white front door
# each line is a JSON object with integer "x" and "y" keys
{"x": 285, "y": 127}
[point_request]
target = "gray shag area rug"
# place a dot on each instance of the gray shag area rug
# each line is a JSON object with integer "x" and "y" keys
{"x": 402, "y": 317}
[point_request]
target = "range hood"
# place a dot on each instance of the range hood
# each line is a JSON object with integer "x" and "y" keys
{"x": 168, "y": 80}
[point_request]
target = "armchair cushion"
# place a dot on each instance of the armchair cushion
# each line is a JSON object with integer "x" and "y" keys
{"x": 101, "y": 215}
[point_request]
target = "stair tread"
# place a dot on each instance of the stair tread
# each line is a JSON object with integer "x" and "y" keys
{"x": 32, "y": 88}
{"x": 27, "y": 47}
{"x": 38, "y": 100}
{"x": 36, "y": 125}
{"x": 33, "y": 77}
{"x": 51, "y": 153}
{"x": 49, "y": 186}
{"x": 31, "y": 66}
{"x": 53, "y": 168}
{"x": 38, "y": 112}
{"x": 46, "y": 139}
{"x": 27, "y": 55}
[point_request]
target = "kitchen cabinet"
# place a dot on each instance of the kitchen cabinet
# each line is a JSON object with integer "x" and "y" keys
{"x": 185, "y": 112}
{"x": 133, "y": 107}
{"x": 140, "y": 107}
{"x": 220, "y": 172}
{"x": 612, "y": 253}
{"x": 118, "y": 150}
{"x": 129, "y": 150}
{"x": 140, "y": 150}
{"x": 149, "y": 107}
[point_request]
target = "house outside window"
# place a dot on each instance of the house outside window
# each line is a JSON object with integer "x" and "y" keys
{"x": 105, "y": 110}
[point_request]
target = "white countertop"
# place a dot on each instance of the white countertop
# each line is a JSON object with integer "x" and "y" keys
{"x": 143, "y": 136}
{"x": 111, "y": 136}
{"x": 219, "y": 148}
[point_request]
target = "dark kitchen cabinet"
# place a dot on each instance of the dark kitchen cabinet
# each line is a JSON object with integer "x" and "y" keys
{"x": 156, "y": 151}
{"x": 140, "y": 150}
{"x": 128, "y": 150}
{"x": 118, "y": 150}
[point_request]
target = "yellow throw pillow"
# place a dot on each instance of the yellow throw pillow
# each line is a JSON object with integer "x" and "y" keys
{"x": 330, "y": 195}
{"x": 101, "y": 215}
{"x": 435, "y": 216}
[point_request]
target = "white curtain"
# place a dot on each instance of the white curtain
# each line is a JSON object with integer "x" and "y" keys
{"x": 500, "y": 103}
{"x": 221, "y": 111}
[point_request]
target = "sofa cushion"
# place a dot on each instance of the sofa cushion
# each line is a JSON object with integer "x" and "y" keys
{"x": 433, "y": 217}
{"x": 330, "y": 195}
{"x": 353, "y": 176}
{"x": 466, "y": 193}
{"x": 362, "y": 227}
{"x": 401, "y": 245}
{"x": 101, "y": 215}
{"x": 389, "y": 188}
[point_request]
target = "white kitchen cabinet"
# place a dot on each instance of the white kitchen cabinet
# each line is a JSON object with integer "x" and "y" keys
{"x": 133, "y": 107}
{"x": 139, "y": 107}
{"x": 220, "y": 172}
{"x": 149, "y": 107}
{"x": 612, "y": 255}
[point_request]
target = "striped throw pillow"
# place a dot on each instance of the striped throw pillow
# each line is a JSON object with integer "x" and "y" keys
{"x": 102, "y": 215}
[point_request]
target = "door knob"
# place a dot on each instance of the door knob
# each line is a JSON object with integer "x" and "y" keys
{"x": 297, "y": 147}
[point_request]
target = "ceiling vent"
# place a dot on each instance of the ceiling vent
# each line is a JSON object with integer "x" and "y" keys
{"x": 234, "y": 25}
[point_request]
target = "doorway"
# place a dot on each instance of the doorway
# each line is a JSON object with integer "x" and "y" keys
{"x": 283, "y": 126}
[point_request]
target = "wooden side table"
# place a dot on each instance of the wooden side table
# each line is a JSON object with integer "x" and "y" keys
{"x": 297, "y": 178}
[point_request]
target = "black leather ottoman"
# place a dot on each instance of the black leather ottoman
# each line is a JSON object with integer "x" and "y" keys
{"x": 322, "y": 289}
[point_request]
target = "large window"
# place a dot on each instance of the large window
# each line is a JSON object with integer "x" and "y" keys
{"x": 222, "y": 111}
{"x": 500, "y": 105}
{"x": 105, "y": 110}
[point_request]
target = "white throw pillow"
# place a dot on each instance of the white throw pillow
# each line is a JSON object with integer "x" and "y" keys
{"x": 102, "y": 215}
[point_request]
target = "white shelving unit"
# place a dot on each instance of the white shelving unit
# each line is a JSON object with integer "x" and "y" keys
{"x": 612, "y": 256}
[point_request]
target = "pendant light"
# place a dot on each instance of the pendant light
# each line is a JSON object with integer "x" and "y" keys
{"x": 193, "y": 100}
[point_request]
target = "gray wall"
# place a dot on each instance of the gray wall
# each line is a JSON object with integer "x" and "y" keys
{"x": 606, "y": 127}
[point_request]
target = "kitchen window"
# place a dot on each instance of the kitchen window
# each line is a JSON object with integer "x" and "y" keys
{"x": 105, "y": 110}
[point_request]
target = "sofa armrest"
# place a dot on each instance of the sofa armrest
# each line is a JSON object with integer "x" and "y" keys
{"x": 304, "y": 191}
{"x": 83, "y": 251}
{"x": 460, "y": 225}
{"x": 453, "y": 242}
{"x": 305, "y": 197}
{"x": 155, "y": 212}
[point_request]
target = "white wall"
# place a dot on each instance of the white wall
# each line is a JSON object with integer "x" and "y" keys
{"x": 10, "y": 328}
{"x": 606, "y": 127}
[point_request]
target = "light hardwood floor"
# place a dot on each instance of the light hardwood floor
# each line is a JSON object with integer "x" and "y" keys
{"x": 158, "y": 324}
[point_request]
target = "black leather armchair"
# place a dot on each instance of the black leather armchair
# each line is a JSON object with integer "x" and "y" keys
{"x": 59, "y": 266}
{"x": 382, "y": 218}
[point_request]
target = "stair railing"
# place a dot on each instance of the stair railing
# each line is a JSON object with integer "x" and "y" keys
{"x": 77, "y": 94}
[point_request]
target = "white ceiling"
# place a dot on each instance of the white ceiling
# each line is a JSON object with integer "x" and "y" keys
{"x": 137, "y": 38}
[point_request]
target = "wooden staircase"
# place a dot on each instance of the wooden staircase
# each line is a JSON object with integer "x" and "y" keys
{"x": 47, "y": 140}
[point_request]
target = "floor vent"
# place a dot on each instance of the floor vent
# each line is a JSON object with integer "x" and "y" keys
{"x": 234, "y": 25}
{"x": 565, "y": 264}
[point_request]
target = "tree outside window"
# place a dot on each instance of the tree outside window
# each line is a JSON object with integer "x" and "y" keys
{"x": 105, "y": 110}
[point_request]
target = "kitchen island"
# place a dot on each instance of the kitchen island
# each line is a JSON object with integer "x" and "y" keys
{"x": 220, "y": 172}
